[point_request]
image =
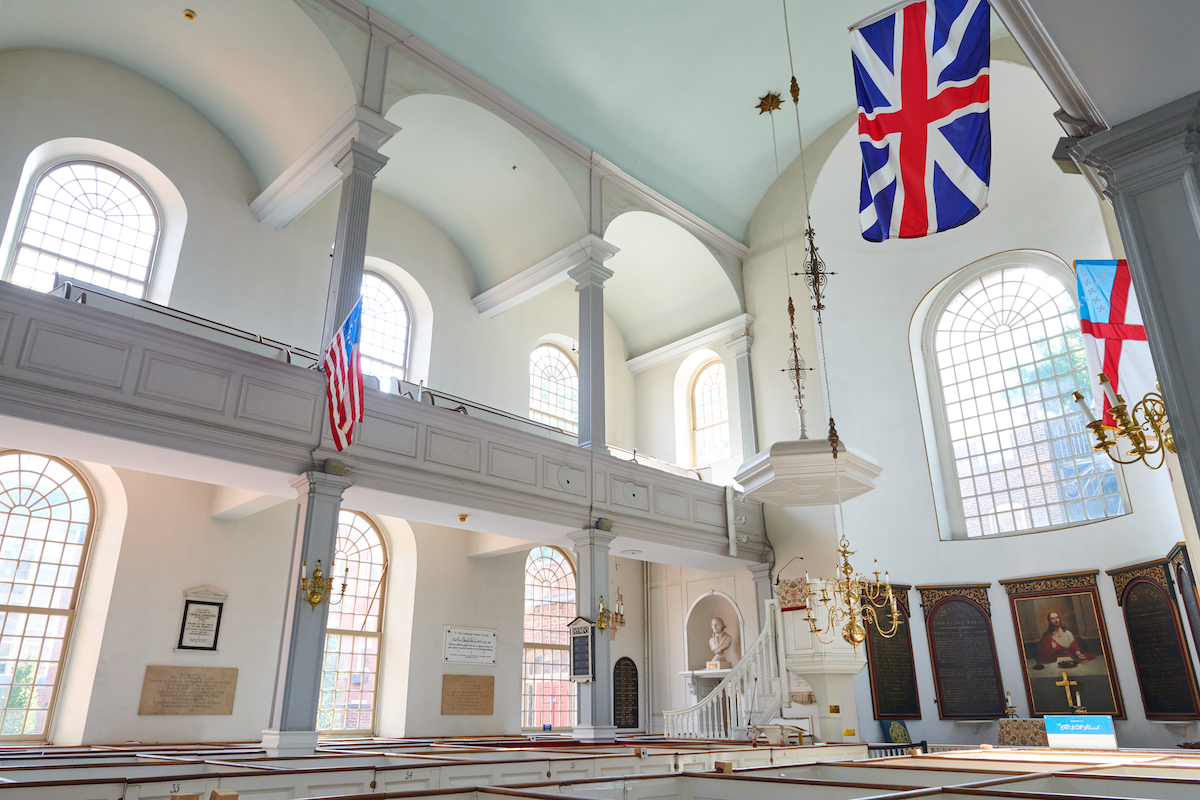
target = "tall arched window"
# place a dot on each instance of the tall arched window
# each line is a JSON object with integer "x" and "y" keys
{"x": 91, "y": 222}
{"x": 350, "y": 676}
{"x": 1005, "y": 356}
{"x": 46, "y": 518}
{"x": 386, "y": 329}
{"x": 547, "y": 692}
{"x": 710, "y": 415}
{"x": 553, "y": 388}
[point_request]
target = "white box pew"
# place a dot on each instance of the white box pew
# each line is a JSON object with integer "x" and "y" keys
{"x": 997, "y": 765}
{"x": 311, "y": 782}
{"x": 735, "y": 787}
{"x": 1123, "y": 786}
{"x": 494, "y": 773}
{"x": 872, "y": 772}
{"x": 417, "y": 776}
{"x": 1153, "y": 769}
{"x": 113, "y": 769}
{"x": 654, "y": 763}
{"x": 110, "y": 789}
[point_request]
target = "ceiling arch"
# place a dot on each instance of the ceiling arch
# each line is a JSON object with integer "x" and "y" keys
{"x": 665, "y": 285}
{"x": 262, "y": 72}
{"x": 483, "y": 181}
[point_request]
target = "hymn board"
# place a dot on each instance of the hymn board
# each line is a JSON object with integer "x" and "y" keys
{"x": 966, "y": 672}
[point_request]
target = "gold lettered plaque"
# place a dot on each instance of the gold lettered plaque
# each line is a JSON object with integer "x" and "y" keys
{"x": 468, "y": 695}
{"x": 188, "y": 691}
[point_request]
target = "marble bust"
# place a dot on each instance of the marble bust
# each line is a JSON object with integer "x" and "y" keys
{"x": 720, "y": 641}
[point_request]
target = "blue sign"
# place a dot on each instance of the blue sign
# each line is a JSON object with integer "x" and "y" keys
{"x": 1081, "y": 732}
{"x": 545, "y": 727}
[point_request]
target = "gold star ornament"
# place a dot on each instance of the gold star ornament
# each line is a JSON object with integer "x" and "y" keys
{"x": 768, "y": 104}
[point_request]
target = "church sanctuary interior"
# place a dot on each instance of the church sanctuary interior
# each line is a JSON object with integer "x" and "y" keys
{"x": 737, "y": 416}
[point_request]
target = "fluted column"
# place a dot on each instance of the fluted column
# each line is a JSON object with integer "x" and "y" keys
{"x": 359, "y": 164}
{"x": 591, "y": 582}
{"x": 302, "y": 643}
{"x": 740, "y": 347}
{"x": 589, "y": 278}
{"x": 1151, "y": 169}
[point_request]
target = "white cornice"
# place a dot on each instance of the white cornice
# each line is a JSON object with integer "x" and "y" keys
{"x": 724, "y": 330}
{"x": 1048, "y": 61}
{"x": 316, "y": 172}
{"x": 514, "y": 113}
{"x": 545, "y": 274}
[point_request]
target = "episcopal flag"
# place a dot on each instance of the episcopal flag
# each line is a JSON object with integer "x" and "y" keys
{"x": 1113, "y": 334}
{"x": 923, "y": 121}
{"x": 343, "y": 368}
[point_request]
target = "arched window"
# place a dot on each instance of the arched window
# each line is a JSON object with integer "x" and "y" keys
{"x": 710, "y": 415}
{"x": 553, "y": 388}
{"x": 547, "y": 691}
{"x": 46, "y": 518}
{"x": 91, "y": 222}
{"x": 386, "y": 328}
{"x": 350, "y": 675}
{"x": 1005, "y": 355}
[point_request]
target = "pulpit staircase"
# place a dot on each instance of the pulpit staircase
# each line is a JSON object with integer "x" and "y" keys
{"x": 751, "y": 694}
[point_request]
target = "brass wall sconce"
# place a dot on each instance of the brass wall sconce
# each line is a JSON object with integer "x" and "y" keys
{"x": 1145, "y": 427}
{"x": 319, "y": 588}
{"x": 613, "y": 619}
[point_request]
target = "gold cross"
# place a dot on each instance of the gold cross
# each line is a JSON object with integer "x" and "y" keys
{"x": 1067, "y": 683}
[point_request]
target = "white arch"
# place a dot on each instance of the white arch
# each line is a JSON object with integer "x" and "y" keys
{"x": 684, "y": 377}
{"x": 172, "y": 209}
{"x": 399, "y": 602}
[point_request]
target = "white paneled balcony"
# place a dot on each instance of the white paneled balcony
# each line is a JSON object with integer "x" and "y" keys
{"x": 90, "y": 383}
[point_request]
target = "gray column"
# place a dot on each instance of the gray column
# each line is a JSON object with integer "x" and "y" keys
{"x": 302, "y": 643}
{"x": 359, "y": 163}
{"x": 740, "y": 347}
{"x": 1151, "y": 169}
{"x": 591, "y": 581}
{"x": 763, "y": 590}
{"x": 590, "y": 277}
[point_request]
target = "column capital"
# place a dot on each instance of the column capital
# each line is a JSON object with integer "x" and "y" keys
{"x": 760, "y": 571}
{"x": 320, "y": 483}
{"x": 359, "y": 157}
{"x": 740, "y": 346}
{"x": 590, "y": 273}
{"x": 596, "y": 249}
{"x": 592, "y": 537}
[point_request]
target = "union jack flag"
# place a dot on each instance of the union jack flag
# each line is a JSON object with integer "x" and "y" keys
{"x": 343, "y": 368}
{"x": 1113, "y": 335}
{"x": 923, "y": 117}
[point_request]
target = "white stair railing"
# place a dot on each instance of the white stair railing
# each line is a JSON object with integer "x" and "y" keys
{"x": 750, "y": 689}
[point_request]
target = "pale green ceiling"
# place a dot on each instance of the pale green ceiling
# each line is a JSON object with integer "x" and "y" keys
{"x": 665, "y": 89}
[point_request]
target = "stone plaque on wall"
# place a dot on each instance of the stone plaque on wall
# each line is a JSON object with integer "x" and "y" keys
{"x": 890, "y": 664}
{"x": 1160, "y": 657}
{"x": 468, "y": 695}
{"x": 187, "y": 691}
{"x": 625, "y": 693}
{"x": 966, "y": 672}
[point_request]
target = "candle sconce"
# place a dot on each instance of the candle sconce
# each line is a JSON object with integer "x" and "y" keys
{"x": 611, "y": 619}
{"x": 318, "y": 588}
{"x": 1145, "y": 426}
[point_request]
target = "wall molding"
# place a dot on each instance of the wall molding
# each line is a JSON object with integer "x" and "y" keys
{"x": 313, "y": 174}
{"x": 544, "y": 275}
{"x": 733, "y": 328}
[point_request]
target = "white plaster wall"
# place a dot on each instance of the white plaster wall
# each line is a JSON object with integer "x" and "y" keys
{"x": 170, "y": 545}
{"x": 1032, "y": 205}
{"x": 395, "y": 661}
{"x": 626, "y": 574}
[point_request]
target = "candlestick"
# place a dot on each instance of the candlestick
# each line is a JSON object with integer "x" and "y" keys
{"x": 303, "y": 570}
{"x": 1108, "y": 390}
{"x": 1084, "y": 407}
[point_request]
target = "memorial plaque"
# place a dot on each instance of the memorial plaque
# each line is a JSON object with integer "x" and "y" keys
{"x": 1185, "y": 581}
{"x": 1156, "y": 639}
{"x": 1066, "y": 659}
{"x": 187, "y": 691}
{"x": 890, "y": 665}
{"x": 625, "y": 693}
{"x": 966, "y": 672}
{"x": 201, "y": 625}
{"x": 469, "y": 645}
{"x": 468, "y": 695}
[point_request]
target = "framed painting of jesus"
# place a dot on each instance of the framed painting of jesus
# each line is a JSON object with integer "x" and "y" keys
{"x": 1066, "y": 659}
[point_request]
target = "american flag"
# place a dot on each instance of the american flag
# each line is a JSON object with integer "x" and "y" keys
{"x": 923, "y": 117}
{"x": 343, "y": 368}
{"x": 1113, "y": 335}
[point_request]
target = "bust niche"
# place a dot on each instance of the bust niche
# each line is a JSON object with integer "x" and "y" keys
{"x": 706, "y": 668}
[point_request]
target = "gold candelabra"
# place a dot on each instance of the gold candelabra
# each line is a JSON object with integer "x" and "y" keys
{"x": 1145, "y": 427}
{"x": 611, "y": 619}
{"x": 318, "y": 588}
{"x": 854, "y": 598}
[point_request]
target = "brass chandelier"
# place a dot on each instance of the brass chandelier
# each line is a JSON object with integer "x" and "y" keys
{"x": 850, "y": 599}
{"x": 1145, "y": 427}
